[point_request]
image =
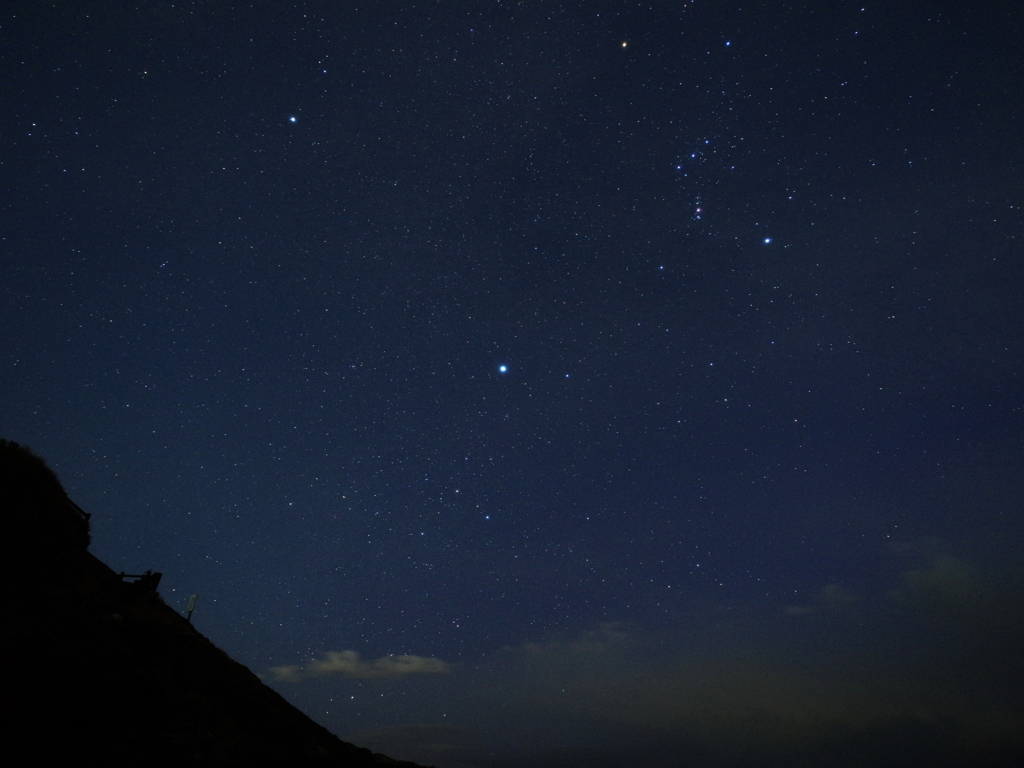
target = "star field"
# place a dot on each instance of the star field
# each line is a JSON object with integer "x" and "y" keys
{"x": 556, "y": 352}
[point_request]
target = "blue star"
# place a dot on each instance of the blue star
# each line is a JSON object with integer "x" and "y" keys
{"x": 502, "y": 369}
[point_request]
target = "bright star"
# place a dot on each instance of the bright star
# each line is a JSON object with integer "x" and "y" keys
{"x": 293, "y": 119}
{"x": 502, "y": 369}
{"x": 767, "y": 240}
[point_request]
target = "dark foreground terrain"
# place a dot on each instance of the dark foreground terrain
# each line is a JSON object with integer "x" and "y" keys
{"x": 97, "y": 670}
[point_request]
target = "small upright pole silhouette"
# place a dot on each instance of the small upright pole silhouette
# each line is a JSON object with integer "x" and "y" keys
{"x": 191, "y": 607}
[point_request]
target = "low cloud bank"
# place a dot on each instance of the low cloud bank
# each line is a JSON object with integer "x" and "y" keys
{"x": 919, "y": 667}
{"x": 922, "y": 668}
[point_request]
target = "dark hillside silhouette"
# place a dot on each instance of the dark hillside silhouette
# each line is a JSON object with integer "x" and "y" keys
{"x": 44, "y": 533}
{"x": 99, "y": 671}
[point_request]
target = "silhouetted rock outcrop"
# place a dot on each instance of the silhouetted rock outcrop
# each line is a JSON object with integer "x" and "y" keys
{"x": 101, "y": 672}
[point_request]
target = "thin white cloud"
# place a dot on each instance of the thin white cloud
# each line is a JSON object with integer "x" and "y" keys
{"x": 349, "y": 664}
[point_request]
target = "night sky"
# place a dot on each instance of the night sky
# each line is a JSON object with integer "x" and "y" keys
{"x": 543, "y": 384}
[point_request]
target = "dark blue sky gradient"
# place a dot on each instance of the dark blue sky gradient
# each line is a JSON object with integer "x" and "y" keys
{"x": 754, "y": 273}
